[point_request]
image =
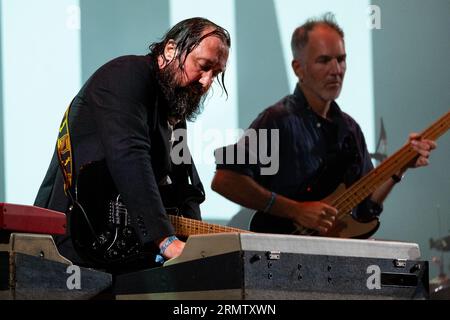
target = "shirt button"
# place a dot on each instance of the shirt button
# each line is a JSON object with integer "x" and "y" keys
{"x": 318, "y": 125}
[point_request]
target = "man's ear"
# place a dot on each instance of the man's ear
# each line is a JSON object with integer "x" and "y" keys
{"x": 170, "y": 50}
{"x": 298, "y": 69}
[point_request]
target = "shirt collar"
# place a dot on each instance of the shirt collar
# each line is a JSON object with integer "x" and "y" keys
{"x": 335, "y": 113}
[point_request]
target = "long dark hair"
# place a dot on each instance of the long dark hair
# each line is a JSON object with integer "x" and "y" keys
{"x": 187, "y": 35}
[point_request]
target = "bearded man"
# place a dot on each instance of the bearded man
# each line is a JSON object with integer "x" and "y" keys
{"x": 125, "y": 115}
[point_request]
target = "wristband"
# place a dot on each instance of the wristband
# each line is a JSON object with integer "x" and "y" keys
{"x": 167, "y": 243}
{"x": 270, "y": 203}
{"x": 159, "y": 257}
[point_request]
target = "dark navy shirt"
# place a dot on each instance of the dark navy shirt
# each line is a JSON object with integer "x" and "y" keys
{"x": 315, "y": 154}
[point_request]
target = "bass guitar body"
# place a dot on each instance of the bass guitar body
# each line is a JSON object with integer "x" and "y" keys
{"x": 346, "y": 226}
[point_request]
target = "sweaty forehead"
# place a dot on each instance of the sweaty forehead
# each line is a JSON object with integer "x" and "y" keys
{"x": 211, "y": 50}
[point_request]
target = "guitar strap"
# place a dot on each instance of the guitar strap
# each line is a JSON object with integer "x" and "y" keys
{"x": 64, "y": 150}
{"x": 193, "y": 175}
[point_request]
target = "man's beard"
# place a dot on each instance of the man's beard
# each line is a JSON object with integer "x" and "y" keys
{"x": 184, "y": 103}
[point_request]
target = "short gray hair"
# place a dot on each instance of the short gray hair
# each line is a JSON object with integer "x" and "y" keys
{"x": 300, "y": 37}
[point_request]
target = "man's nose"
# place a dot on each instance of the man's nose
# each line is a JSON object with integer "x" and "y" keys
{"x": 336, "y": 67}
{"x": 206, "y": 79}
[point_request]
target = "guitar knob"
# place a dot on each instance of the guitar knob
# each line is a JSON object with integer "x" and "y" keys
{"x": 102, "y": 239}
{"x": 127, "y": 232}
{"x": 121, "y": 244}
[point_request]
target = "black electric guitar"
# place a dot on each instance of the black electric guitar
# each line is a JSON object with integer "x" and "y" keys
{"x": 101, "y": 227}
{"x": 344, "y": 200}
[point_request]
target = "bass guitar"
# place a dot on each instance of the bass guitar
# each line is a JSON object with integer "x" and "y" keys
{"x": 345, "y": 199}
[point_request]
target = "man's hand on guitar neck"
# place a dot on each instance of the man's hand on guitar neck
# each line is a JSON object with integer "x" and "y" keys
{"x": 423, "y": 147}
{"x": 172, "y": 249}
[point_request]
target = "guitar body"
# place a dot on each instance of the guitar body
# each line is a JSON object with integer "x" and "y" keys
{"x": 346, "y": 226}
{"x": 101, "y": 227}
{"x": 109, "y": 241}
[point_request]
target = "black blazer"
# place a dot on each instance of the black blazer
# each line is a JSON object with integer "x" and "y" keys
{"x": 120, "y": 115}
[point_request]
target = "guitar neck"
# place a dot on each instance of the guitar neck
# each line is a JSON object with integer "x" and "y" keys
{"x": 375, "y": 178}
{"x": 188, "y": 227}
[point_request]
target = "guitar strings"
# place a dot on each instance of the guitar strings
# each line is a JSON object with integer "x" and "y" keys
{"x": 385, "y": 170}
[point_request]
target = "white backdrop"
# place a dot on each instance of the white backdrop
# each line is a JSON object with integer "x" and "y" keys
{"x": 41, "y": 73}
